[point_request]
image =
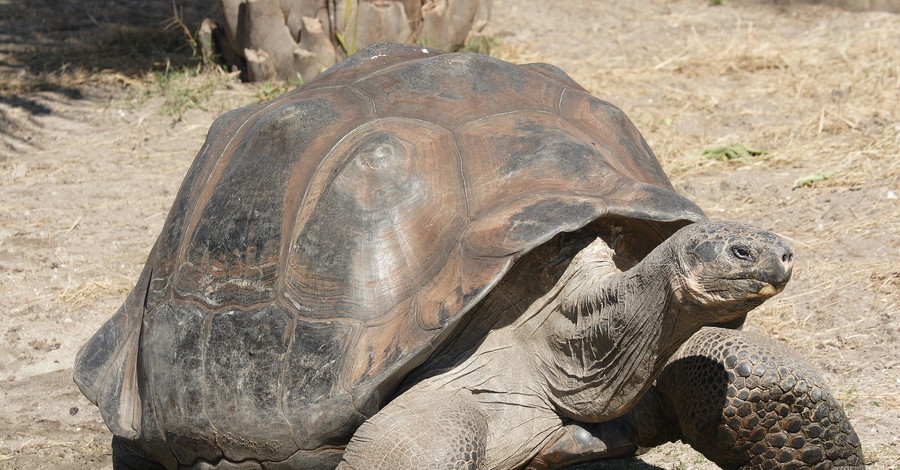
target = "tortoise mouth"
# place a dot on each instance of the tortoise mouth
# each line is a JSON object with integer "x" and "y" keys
{"x": 764, "y": 289}
{"x": 769, "y": 290}
{"x": 748, "y": 288}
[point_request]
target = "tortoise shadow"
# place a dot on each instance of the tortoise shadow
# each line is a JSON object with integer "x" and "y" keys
{"x": 633, "y": 463}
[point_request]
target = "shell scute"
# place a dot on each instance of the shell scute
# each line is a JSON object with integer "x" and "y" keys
{"x": 244, "y": 356}
{"x": 319, "y": 409}
{"x": 388, "y": 216}
{"x": 372, "y": 59}
{"x": 175, "y": 383}
{"x": 167, "y": 249}
{"x": 530, "y": 175}
{"x": 234, "y": 254}
{"x": 607, "y": 127}
{"x": 506, "y": 153}
{"x": 453, "y": 89}
{"x": 554, "y": 73}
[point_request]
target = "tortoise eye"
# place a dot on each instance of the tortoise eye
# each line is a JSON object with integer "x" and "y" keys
{"x": 741, "y": 252}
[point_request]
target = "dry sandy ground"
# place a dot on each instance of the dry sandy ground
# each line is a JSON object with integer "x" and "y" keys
{"x": 89, "y": 167}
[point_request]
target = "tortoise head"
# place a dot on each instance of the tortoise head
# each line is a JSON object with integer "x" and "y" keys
{"x": 729, "y": 266}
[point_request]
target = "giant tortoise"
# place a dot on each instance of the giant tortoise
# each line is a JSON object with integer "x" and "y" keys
{"x": 442, "y": 260}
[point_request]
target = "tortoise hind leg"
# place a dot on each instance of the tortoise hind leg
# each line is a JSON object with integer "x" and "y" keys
{"x": 746, "y": 402}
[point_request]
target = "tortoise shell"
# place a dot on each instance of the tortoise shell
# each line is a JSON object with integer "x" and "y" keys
{"x": 323, "y": 244}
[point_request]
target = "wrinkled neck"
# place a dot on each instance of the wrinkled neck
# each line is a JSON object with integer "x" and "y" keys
{"x": 611, "y": 336}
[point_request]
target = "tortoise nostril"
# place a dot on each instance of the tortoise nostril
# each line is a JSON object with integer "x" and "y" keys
{"x": 787, "y": 255}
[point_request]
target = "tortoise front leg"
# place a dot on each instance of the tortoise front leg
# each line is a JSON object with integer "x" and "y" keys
{"x": 746, "y": 402}
{"x": 420, "y": 432}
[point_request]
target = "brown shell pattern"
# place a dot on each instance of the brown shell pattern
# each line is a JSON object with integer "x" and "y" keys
{"x": 323, "y": 243}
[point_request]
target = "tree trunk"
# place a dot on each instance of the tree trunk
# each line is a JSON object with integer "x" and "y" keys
{"x": 297, "y": 39}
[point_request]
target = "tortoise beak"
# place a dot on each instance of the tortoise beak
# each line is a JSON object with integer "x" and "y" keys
{"x": 769, "y": 290}
{"x": 779, "y": 265}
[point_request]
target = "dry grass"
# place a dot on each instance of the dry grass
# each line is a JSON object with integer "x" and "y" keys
{"x": 780, "y": 91}
{"x": 516, "y": 52}
{"x": 90, "y": 292}
{"x": 844, "y": 99}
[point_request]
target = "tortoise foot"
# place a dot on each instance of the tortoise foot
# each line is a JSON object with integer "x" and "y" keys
{"x": 586, "y": 442}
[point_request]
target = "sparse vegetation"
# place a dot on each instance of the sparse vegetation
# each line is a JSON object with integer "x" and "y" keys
{"x": 480, "y": 44}
{"x": 186, "y": 88}
{"x": 266, "y": 91}
{"x": 733, "y": 152}
{"x": 812, "y": 179}
{"x": 350, "y": 47}
{"x": 120, "y": 46}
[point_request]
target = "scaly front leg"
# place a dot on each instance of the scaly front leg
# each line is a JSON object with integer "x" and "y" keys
{"x": 747, "y": 402}
{"x": 419, "y": 431}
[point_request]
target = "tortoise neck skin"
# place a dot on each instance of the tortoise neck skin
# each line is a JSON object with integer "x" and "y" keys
{"x": 610, "y": 332}
{"x": 607, "y": 334}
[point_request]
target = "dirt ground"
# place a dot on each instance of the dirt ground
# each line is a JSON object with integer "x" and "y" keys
{"x": 91, "y": 155}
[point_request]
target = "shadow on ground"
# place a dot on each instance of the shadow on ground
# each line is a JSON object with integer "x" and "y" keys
{"x": 624, "y": 464}
{"x": 50, "y": 49}
{"x": 58, "y": 44}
